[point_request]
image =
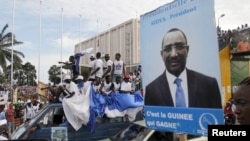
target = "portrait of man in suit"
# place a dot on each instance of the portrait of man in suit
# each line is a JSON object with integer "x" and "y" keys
{"x": 199, "y": 90}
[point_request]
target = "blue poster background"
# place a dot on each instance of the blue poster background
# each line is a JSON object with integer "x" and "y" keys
{"x": 193, "y": 121}
{"x": 196, "y": 18}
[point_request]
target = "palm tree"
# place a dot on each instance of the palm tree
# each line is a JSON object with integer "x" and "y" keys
{"x": 6, "y": 51}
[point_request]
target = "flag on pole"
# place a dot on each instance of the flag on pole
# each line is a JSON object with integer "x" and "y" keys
{"x": 87, "y": 51}
{"x": 78, "y": 57}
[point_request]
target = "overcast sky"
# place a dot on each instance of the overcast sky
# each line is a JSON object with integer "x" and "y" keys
{"x": 94, "y": 16}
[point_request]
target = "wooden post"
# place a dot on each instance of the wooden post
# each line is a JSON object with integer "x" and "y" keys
{"x": 182, "y": 137}
{"x": 17, "y": 122}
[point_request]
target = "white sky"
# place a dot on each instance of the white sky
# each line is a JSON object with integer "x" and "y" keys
{"x": 108, "y": 13}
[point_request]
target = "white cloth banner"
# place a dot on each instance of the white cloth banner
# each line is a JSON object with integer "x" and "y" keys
{"x": 76, "y": 108}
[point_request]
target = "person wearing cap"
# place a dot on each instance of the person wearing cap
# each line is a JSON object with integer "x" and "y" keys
{"x": 28, "y": 111}
{"x": 80, "y": 83}
{"x": 70, "y": 87}
{"x": 70, "y": 91}
{"x": 74, "y": 104}
{"x": 108, "y": 66}
{"x": 126, "y": 85}
{"x": 92, "y": 68}
{"x": 35, "y": 104}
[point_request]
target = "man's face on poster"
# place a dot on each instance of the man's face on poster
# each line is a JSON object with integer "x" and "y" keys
{"x": 174, "y": 52}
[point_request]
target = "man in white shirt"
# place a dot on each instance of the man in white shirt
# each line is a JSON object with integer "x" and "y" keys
{"x": 92, "y": 68}
{"x": 126, "y": 85}
{"x": 74, "y": 104}
{"x": 98, "y": 70}
{"x": 108, "y": 66}
{"x": 118, "y": 67}
{"x": 105, "y": 88}
{"x": 28, "y": 111}
{"x": 116, "y": 86}
{"x": 80, "y": 84}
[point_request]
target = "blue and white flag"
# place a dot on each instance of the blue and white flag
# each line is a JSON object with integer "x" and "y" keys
{"x": 82, "y": 109}
{"x": 121, "y": 104}
{"x": 114, "y": 105}
{"x": 97, "y": 105}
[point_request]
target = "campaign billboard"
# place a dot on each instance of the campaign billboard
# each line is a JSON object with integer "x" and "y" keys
{"x": 179, "y": 42}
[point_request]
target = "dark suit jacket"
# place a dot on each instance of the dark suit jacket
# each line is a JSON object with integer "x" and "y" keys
{"x": 203, "y": 91}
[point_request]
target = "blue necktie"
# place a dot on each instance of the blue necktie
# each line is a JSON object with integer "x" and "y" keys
{"x": 179, "y": 95}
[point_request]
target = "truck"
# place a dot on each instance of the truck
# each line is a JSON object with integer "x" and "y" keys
{"x": 47, "y": 128}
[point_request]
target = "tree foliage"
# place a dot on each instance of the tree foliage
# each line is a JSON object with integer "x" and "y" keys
{"x": 24, "y": 74}
{"x": 6, "y": 50}
{"x": 54, "y": 72}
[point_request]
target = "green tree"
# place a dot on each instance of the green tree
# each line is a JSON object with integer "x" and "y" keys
{"x": 6, "y": 50}
{"x": 54, "y": 72}
{"x": 24, "y": 74}
{"x": 29, "y": 72}
{"x": 17, "y": 67}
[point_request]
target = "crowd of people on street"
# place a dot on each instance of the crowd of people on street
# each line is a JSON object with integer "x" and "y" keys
{"x": 238, "y": 39}
{"x": 18, "y": 104}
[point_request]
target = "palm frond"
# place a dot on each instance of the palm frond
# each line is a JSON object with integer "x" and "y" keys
{"x": 5, "y": 27}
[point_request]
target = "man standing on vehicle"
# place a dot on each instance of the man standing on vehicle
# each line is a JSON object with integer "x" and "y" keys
{"x": 118, "y": 67}
{"x": 98, "y": 70}
{"x": 108, "y": 66}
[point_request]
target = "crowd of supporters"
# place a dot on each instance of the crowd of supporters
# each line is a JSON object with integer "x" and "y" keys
{"x": 107, "y": 76}
{"x": 18, "y": 104}
{"x": 238, "y": 39}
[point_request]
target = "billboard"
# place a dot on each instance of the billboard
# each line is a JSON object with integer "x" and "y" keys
{"x": 179, "y": 40}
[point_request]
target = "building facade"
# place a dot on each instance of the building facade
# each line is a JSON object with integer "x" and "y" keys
{"x": 123, "y": 39}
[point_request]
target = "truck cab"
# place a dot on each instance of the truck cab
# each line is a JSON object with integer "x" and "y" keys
{"x": 49, "y": 122}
